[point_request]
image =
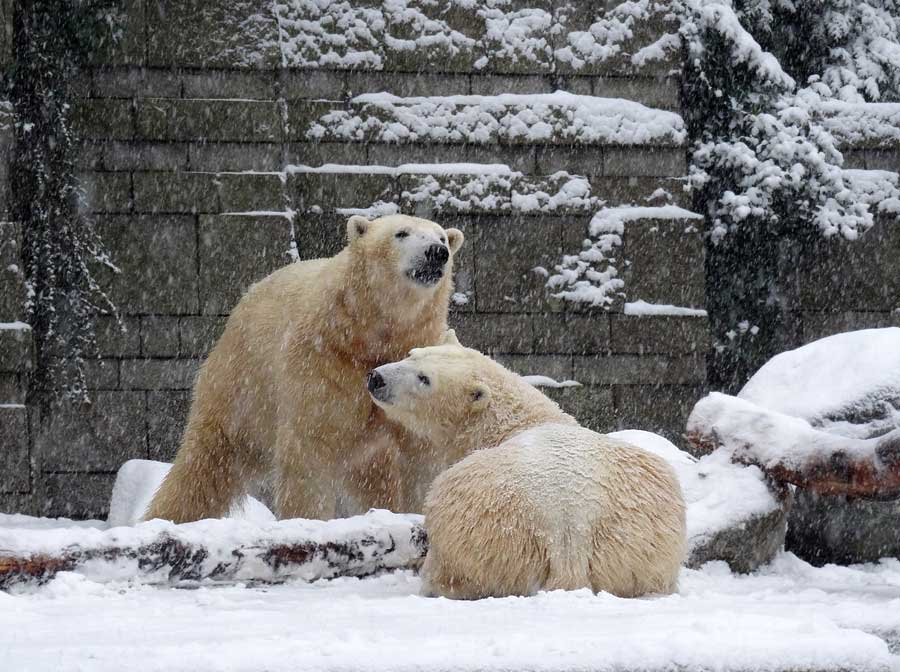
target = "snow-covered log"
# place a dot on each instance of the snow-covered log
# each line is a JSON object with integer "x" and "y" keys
{"x": 215, "y": 550}
{"x": 790, "y": 450}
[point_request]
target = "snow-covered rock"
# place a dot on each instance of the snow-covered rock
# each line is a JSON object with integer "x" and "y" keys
{"x": 733, "y": 514}
{"x": 138, "y": 480}
{"x": 825, "y": 416}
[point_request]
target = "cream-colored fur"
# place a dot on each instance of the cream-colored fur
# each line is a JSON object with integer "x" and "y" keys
{"x": 540, "y": 502}
{"x": 283, "y": 391}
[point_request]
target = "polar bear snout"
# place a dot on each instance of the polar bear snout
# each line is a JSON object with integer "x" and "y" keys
{"x": 428, "y": 269}
{"x": 377, "y": 386}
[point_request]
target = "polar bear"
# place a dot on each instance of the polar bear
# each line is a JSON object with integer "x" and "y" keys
{"x": 282, "y": 396}
{"x": 539, "y": 502}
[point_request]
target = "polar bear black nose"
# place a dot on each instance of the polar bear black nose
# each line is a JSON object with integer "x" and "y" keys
{"x": 374, "y": 381}
{"x": 437, "y": 253}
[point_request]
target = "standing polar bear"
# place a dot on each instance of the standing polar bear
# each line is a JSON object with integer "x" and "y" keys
{"x": 546, "y": 504}
{"x": 282, "y": 393}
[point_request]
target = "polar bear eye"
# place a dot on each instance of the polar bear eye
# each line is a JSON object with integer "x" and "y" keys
{"x": 425, "y": 380}
{"x": 402, "y": 234}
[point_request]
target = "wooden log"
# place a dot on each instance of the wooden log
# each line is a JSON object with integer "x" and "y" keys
{"x": 791, "y": 451}
{"x": 222, "y": 551}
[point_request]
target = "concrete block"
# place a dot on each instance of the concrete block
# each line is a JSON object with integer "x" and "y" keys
{"x": 383, "y": 154}
{"x": 157, "y": 256}
{"x": 159, "y": 192}
{"x": 638, "y": 190}
{"x": 160, "y": 336}
{"x": 508, "y": 251}
{"x": 118, "y": 340}
{"x": 13, "y": 387}
{"x": 254, "y": 247}
{"x": 107, "y": 192}
{"x": 320, "y": 153}
{"x": 572, "y": 334}
{"x": 199, "y": 333}
{"x": 103, "y": 118}
{"x": 659, "y": 334}
{"x": 145, "y": 156}
{"x": 666, "y": 263}
{"x": 96, "y": 436}
{"x": 251, "y": 192}
{"x": 135, "y": 82}
{"x": 101, "y": 374}
{"x": 159, "y": 374}
{"x": 15, "y": 465}
{"x": 405, "y": 84}
{"x": 211, "y": 120}
{"x": 853, "y": 276}
{"x": 18, "y": 502}
{"x": 235, "y": 84}
{"x": 81, "y": 496}
{"x": 643, "y": 160}
{"x": 575, "y": 159}
{"x": 658, "y": 92}
{"x": 16, "y": 350}
{"x": 494, "y": 85}
{"x": 883, "y": 159}
{"x": 316, "y": 84}
{"x": 89, "y": 154}
{"x": 235, "y": 156}
{"x": 558, "y": 367}
{"x": 330, "y": 191}
{"x": 302, "y": 114}
{"x": 320, "y": 235}
{"x": 212, "y": 33}
{"x": 662, "y": 409}
{"x": 818, "y": 325}
{"x": 522, "y": 158}
{"x": 591, "y": 405}
{"x": 640, "y": 370}
{"x": 495, "y": 333}
{"x": 166, "y": 418}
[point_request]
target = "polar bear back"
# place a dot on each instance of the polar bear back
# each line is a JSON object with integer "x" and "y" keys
{"x": 556, "y": 506}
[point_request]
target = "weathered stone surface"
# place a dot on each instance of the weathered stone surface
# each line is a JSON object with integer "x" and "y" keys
{"x": 211, "y": 33}
{"x": 824, "y": 529}
{"x": 666, "y": 263}
{"x": 76, "y": 495}
{"x": 651, "y": 91}
{"x": 157, "y": 256}
{"x": 493, "y": 85}
{"x": 575, "y": 334}
{"x": 160, "y": 336}
{"x": 16, "y": 350}
{"x": 107, "y": 192}
{"x": 118, "y": 340}
{"x": 158, "y": 374}
{"x": 254, "y": 245}
{"x": 135, "y": 82}
{"x": 144, "y": 156}
{"x": 505, "y": 279}
{"x": 321, "y": 235}
{"x": 235, "y": 84}
{"x": 256, "y": 192}
{"x": 166, "y": 418}
{"x": 748, "y": 546}
{"x": 558, "y": 367}
{"x": 175, "y": 192}
{"x": 103, "y": 118}
{"x": 339, "y": 190}
{"x": 820, "y": 324}
{"x": 235, "y": 156}
{"x": 405, "y": 84}
{"x": 198, "y": 334}
{"x": 319, "y": 84}
{"x": 15, "y": 467}
{"x": 659, "y": 334}
{"x": 645, "y": 161}
{"x": 12, "y": 388}
{"x": 498, "y": 333}
{"x": 101, "y": 374}
{"x": 213, "y": 120}
{"x": 640, "y": 370}
{"x": 658, "y": 408}
{"x": 591, "y": 405}
{"x": 96, "y": 436}
{"x": 575, "y": 159}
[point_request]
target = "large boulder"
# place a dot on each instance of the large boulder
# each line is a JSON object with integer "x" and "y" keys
{"x": 825, "y": 417}
{"x": 734, "y": 513}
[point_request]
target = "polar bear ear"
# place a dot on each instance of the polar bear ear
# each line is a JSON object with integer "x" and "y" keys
{"x": 480, "y": 395}
{"x": 357, "y": 226}
{"x": 449, "y": 338}
{"x": 455, "y": 239}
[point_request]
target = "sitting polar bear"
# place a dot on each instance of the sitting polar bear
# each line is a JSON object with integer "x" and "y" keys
{"x": 282, "y": 393}
{"x": 546, "y": 504}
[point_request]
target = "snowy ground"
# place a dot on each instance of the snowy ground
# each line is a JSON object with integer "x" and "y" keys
{"x": 787, "y": 616}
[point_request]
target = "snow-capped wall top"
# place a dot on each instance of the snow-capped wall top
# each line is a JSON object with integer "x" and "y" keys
{"x": 540, "y": 118}
{"x": 831, "y": 378}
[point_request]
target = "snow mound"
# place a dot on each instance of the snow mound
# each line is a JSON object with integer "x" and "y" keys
{"x": 719, "y": 494}
{"x": 138, "y": 480}
{"x": 843, "y": 383}
{"x": 548, "y": 117}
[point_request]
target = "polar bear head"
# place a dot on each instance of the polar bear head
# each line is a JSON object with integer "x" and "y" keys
{"x": 416, "y": 250}
{"x": 457, "y": 396}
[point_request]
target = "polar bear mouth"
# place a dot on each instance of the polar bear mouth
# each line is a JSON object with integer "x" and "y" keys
{"x": 426, "y": 275}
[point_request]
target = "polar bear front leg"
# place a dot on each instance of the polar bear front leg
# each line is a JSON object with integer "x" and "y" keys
{"x": 305, "y": 487}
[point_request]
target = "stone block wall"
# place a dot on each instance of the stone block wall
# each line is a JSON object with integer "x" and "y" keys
{"x": 191, "y": 122}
